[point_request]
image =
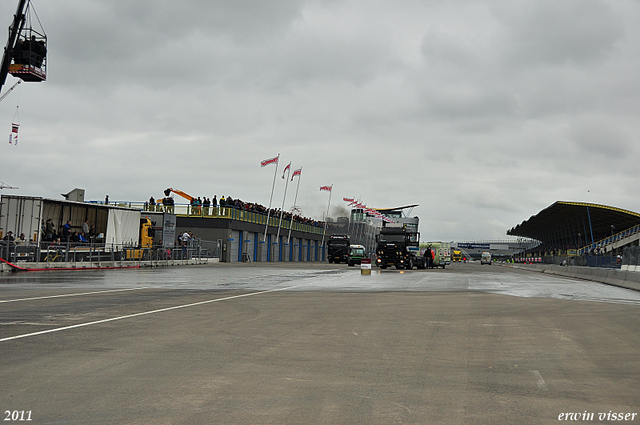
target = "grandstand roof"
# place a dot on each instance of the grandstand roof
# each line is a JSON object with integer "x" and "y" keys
{"x": 575, "y": 223}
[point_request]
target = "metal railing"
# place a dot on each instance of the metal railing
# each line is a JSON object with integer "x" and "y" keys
{"x": 610, "y": 240}
{"x": 607, "y": 260}
{"x": 229, "y": 213}
{"x": 69, "y": 252}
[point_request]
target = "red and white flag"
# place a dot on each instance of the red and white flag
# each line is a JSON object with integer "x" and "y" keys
{"x": 296, "y": 173}
{"x": 326, "y": 188}
{"x": 13, "y": 137}
{"x": 269, "y": 161}
{"x": 348, "y": 199}
{"x": 288, "y": 167}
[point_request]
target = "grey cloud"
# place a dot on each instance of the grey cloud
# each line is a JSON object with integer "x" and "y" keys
{"x": 556, "y": 32}
{"x": 601, "y": 140}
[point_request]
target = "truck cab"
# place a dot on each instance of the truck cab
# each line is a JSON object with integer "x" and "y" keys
{"x": 338, "y": 248}
{"x": 399, "y": 245}
{"x": 486, "y": 258}
{"x": 356, "y": 254}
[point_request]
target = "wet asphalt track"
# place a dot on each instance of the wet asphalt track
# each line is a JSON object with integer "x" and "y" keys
{"x": 315, "y": 343}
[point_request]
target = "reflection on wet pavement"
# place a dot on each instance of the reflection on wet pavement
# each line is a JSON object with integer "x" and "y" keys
{"x": 502, "y": 281}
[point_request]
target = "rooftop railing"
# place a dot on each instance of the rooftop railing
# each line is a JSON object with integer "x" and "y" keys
{"x": 231, "y": 214}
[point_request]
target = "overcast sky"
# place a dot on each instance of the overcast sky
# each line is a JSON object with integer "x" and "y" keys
{"x": 482, "y": 112}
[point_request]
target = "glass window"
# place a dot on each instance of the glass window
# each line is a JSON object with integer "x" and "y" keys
{"x": 392, "y": 238}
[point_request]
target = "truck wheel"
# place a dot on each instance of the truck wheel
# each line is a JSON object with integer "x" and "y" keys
{"x": 330, "y": 261}
{"x": 410, "y": 265}
{"x": 383, "y": 267}
{"x": 350, "y": 264}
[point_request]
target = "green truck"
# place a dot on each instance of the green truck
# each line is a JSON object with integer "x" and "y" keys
{"x": 356, "y": 254}
{"x": 441, "y": 252}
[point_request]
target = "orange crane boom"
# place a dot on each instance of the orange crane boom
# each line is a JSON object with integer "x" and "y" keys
{"x": 183, "y": 194}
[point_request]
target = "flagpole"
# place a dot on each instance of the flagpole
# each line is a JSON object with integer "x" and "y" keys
{"x": 326, "y": 217}
{"x": 282, "y": 209}
{"x": 294, "y": 204}
{"x": 273, "y": 185}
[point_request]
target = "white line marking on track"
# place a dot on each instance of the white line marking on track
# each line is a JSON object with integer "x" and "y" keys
{"x": 541, "y": 384}
{"x": 71, "y": 295}
{"x": 144, "y": 313}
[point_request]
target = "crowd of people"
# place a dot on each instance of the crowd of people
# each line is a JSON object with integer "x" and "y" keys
{"x": 205, "y": 206}
{"x": 50, "y": 234}
{"x": 66, "y": 234}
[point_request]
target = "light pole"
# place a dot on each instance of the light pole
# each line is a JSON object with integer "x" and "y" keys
{"x": 611, "y": 250}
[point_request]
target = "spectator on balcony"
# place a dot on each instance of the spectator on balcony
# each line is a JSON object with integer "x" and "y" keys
{"x": 49, "y": 229}
{"x": 66, "y": 231}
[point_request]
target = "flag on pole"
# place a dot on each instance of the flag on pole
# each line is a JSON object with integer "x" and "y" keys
{"x": 269, "y": 161}
{"x": 13, "y": 137}
{"x": 273, "y": 186}
{"x": 348, "y": 199}
{"x": 288, "y": 167}
{"x": 324, "y": 231}
{"x": 296, "y": 173}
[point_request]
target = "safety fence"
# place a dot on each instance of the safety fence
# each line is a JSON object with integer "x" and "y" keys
{"x": 70, "y": 252}
{"x": 598, "y": 254}
{"x": 607, "y": 260}
{"x": 631, "y": 258}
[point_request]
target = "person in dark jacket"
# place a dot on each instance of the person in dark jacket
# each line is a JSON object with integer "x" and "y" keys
{"x": 66, "y": 231}
{"x": 428, "y": 257}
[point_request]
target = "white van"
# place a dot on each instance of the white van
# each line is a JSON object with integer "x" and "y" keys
{"x": 486, "y": 258}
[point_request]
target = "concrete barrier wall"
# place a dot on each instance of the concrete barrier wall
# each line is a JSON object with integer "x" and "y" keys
{"x": 622, "y": 278}
{"x": 4, "y": 267}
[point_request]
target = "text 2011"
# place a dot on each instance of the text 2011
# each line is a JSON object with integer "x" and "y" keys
{"x": 17, "y": 415}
